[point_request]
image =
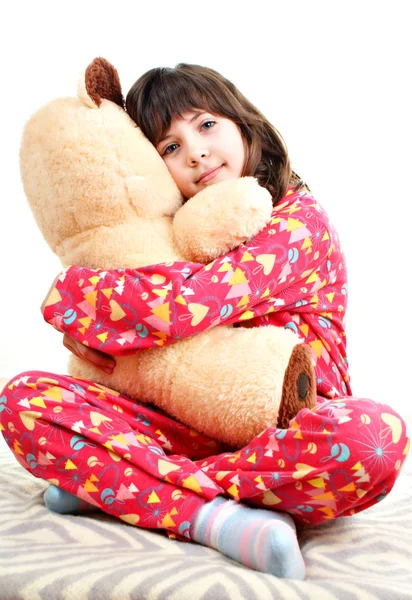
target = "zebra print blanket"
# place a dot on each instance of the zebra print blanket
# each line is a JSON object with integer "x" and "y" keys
{"x": 48, "y": 556}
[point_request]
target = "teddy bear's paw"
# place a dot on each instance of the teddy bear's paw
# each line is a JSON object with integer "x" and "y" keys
{"x": 220, "y": 218}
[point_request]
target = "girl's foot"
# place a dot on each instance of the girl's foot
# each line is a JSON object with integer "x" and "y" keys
{"x": 260, "y": 539}
{"x": 62, "y": 502}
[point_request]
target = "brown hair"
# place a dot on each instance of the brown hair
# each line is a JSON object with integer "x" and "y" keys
{"x": 164, "y": 93}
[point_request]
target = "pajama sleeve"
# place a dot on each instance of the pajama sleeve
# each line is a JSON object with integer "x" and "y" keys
{"x": 124, "y": 310}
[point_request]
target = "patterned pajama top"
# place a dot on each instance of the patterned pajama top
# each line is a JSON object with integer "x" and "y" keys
{"x": 292, "y": 274}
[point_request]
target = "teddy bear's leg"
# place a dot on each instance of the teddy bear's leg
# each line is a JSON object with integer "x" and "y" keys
{"x": 226, "y": 383}
{"x": 242, "y": 381}
{"x": 231, "y": 383}
{"x": 299, "y": 385}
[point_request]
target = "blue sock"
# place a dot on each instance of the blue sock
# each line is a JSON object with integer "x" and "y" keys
{"x": 59, "y": 501}
{"x": 257, "y": 538}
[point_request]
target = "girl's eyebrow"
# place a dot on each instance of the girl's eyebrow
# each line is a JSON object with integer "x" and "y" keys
{"x": 197, "y": 113}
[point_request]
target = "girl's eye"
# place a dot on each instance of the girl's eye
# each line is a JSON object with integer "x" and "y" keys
{"x": 169, "y": 149}
{"x": 208, "y": 124}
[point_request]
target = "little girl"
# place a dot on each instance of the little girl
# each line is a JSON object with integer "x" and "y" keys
{"x": 107, "y": 451}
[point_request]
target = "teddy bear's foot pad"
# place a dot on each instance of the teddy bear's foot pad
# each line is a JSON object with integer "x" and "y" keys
{"x": 299, "y": 385}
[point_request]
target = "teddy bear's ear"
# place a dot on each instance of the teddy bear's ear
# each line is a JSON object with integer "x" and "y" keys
{"x": 100, "y": 82}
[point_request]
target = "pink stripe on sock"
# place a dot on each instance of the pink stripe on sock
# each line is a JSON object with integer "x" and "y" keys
{"x": 245, "y": 542}
{"x": 258, "y": 547}
{"x": 209, "y": 525}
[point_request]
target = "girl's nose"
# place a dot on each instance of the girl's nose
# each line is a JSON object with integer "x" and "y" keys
{"x": 196, "y": 154}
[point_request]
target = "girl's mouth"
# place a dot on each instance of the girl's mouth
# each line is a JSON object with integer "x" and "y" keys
{"x": 208, "y": 175}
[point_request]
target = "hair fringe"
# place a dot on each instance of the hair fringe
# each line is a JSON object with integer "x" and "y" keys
{"x": 164, "y": 93}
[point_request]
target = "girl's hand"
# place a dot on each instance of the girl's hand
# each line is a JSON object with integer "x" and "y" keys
{"x": 98, "y": 359}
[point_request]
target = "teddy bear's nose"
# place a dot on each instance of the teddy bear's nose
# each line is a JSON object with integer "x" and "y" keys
{"x": 302, "y": 385}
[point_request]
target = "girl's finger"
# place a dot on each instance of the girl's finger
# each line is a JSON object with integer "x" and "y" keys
{"x": 98, "y": 359}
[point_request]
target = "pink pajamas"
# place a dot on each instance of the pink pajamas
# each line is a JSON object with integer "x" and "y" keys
{"x": 143, "y": 467}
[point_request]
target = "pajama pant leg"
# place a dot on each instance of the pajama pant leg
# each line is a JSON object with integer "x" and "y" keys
{"x": 130, "y": 460}
{"x": 123, "y": 457}
{"x": 340, "y": 458}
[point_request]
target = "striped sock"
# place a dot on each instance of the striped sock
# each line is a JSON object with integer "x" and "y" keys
{"x": 64, "y": 503}
{"x": 257, "y": 538}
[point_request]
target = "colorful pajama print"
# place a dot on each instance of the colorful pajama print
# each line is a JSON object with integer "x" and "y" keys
{"x": 292, "y": 274}
{"x": 141, "y": 466}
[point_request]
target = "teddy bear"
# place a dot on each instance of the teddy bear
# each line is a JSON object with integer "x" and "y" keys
{"x": 103, "y": 198}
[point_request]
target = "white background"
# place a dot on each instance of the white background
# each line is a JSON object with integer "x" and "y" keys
{"x": 333, "y": 77}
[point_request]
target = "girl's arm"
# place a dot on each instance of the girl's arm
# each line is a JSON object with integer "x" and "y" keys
{"x": 121, "y": 311}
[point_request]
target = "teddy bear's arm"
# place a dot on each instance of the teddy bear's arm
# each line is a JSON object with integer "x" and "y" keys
{"x": 220, "y": 218}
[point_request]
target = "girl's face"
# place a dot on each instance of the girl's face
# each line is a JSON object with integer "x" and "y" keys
{"x": 200, "y": 149}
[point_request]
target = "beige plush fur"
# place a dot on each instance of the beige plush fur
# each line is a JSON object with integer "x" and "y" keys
{"x": 103, "y": 197}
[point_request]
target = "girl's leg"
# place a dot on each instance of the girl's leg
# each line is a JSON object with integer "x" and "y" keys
{"x": 121, "y": 457}
{"x": 107, "y": 450}
{"x": 339, "y": 459}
